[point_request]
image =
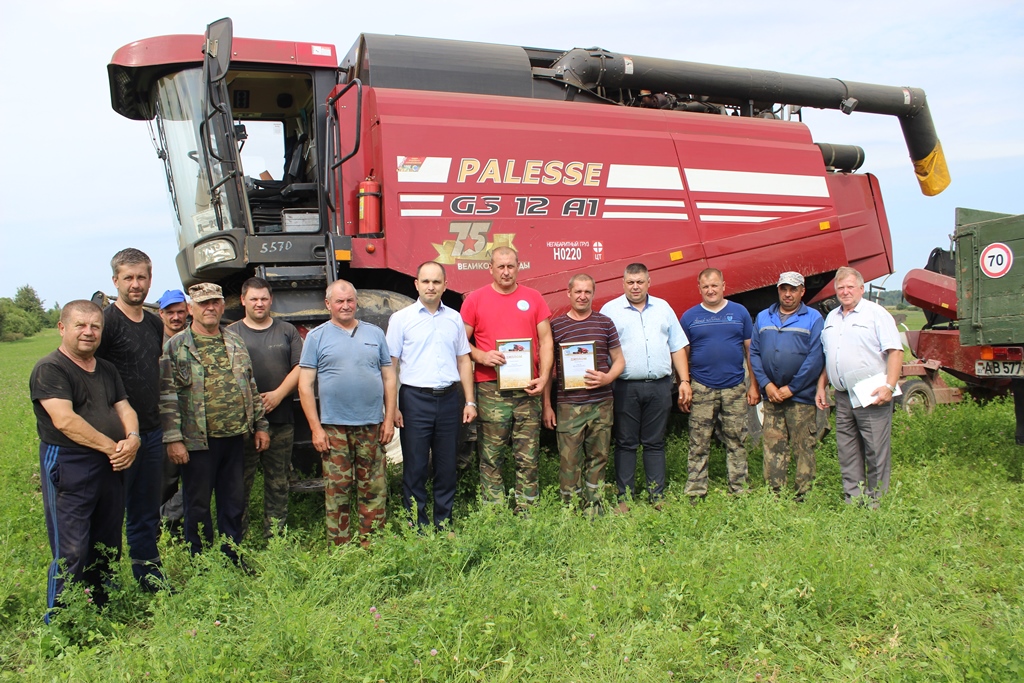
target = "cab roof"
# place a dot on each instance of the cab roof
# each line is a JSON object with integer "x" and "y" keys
{"x": 135, "y": 67}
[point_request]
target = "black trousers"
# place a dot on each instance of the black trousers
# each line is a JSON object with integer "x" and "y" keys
{"x": 215, "y": 471}
{"x": 431, "y": 425}
{"x": 641, "y": 416}
{"x": 84, "y": 502}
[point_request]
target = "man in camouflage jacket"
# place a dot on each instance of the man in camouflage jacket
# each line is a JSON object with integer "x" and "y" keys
{"x": 209, "y": 405}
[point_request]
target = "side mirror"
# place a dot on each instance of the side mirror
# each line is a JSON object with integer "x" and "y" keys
{"x": 218, "y": 49}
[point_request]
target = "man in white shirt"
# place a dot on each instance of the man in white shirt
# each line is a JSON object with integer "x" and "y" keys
{"x": 428, "y": 344}
{"x": 860, "y": 341}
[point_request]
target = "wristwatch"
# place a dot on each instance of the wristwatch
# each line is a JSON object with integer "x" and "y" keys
{"x": 471, "y": 404}
{"x": 891, "y": 388}
{"x": 133, "y": 434}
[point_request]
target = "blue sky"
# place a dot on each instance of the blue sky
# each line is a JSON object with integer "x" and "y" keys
{"x": 78, "y": 182}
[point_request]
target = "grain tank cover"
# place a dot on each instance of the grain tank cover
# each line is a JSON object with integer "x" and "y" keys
{"x": 411, "y": 63}
{"x": 990, "y": 277}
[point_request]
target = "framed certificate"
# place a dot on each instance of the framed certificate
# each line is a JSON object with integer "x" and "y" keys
{"x": 517, "y": 372}
{"x": 577, "y": 358}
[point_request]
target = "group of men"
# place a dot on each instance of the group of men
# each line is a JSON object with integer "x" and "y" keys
{"x": 127, "y": 388}
{"x": 131, "y": 401}
{"x": 724, "y": 361}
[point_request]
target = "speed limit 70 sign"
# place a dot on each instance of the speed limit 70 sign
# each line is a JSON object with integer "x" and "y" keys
{"x": 996, "y": 260}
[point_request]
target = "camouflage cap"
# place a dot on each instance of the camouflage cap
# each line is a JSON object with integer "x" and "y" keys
{"x": 791, "y": 278}
{"x": 205, "y": 291}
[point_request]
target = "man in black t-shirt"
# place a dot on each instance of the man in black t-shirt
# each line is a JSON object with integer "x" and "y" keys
{"x": 274, "y": 347}
{"x": 88, "y": 436}
{"x": 133, "y": 342}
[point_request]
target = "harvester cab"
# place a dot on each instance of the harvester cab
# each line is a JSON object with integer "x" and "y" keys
{"x": 239, "y": 126}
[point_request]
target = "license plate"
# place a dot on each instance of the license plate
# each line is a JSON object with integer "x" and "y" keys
{"x": 998, "y": 368}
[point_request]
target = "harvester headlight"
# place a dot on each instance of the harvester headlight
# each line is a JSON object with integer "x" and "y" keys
{"x": 214, "y": 251}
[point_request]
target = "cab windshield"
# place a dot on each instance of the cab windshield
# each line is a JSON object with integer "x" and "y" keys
{"x": 271, "y": 115}
{"x": 179, "y": 100}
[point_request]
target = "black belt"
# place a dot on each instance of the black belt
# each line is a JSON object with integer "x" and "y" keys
{"x": 442, "y": 391}
{"x": 656, "y": 379}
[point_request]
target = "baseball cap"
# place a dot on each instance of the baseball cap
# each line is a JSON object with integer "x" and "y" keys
{"x": 791, "y": 278}
{"x": 205, "y": 291}
{"x": 171, "y": 296}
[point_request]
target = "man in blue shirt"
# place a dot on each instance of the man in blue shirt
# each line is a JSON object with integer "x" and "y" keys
{"x": 787, "y": 358}
{"x": 719, "y": 333}
{"x": 427, "y": 342}
{"x": 652, "y": 344}
{"x": 356, "y": 420}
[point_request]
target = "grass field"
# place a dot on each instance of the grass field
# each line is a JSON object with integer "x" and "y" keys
{"x": 928, "y": 588}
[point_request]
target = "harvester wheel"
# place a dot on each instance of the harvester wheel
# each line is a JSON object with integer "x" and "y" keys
{"x": 917, "y": 397}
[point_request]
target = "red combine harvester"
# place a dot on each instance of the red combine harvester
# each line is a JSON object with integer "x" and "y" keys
{"x": 282, "y": 164}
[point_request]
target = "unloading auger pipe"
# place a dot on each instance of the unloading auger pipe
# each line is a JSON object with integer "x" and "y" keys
{"x": 594, "y": 67}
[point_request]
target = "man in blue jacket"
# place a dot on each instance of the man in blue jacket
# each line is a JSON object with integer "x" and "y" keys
{"x": 787, "y": 358}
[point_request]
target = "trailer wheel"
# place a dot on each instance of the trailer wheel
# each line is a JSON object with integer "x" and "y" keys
{"x": 917, "y": 397}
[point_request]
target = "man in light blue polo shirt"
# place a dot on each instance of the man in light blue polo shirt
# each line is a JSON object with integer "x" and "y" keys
{"x": 358, "y": 391}
{"x": 861, "y": 342}
{"x": 652, "y": 343}
{"x": 428, "y": 342}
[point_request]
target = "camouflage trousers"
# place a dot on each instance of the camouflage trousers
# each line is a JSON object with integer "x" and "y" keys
{"x": 501, "y": 415}
{"x": 276, "y": 463}
{"x": 731, "y": 406}
{"x": 356, "y": 458}
{"x": 584, "y": 433}
{"x": 789, "y": 424}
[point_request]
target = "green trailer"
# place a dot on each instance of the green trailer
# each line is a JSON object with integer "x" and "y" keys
{"x": 973, "y": 299}
{"x": 990, "y": 279}
{"x": 990, "y": 296}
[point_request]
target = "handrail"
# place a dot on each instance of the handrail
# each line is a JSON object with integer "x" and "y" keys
{"x": 333, "y": 176}
{"x": 359, "y": 117}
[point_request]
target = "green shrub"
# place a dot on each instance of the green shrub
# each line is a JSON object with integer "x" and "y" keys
{"x": 15, "y": 323}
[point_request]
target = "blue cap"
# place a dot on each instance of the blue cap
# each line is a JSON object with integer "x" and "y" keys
{"x": 171, "y": 296}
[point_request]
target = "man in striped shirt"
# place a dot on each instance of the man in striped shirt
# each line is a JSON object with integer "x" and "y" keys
{"x": 583, "y": 422}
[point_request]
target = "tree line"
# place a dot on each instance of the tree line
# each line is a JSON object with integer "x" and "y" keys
{"x": 24, "y": 315}
{"x": 891, "y": 298}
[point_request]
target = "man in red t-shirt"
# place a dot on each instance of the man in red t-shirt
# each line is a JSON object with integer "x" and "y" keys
{"x": 507, "y": 311}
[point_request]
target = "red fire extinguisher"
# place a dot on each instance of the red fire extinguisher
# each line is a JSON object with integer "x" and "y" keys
{"x": 369, "y": 207}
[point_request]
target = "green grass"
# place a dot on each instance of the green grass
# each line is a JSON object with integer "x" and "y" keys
{"x": 915, "y": 317}
{"x": 928, "y": 588}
